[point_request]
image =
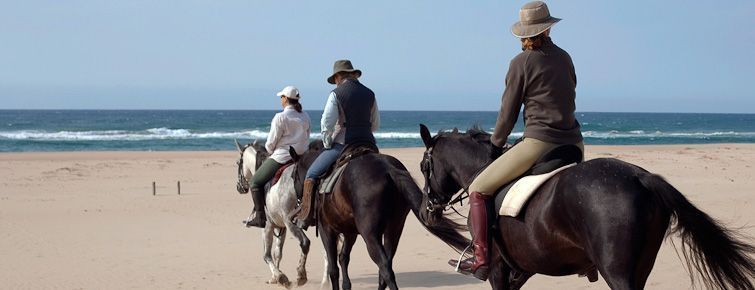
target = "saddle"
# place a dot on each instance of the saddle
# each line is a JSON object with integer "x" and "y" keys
{"x": 277, "y": 175}
{"x": 350, "y": 152}
{"x": 552, "y": 160}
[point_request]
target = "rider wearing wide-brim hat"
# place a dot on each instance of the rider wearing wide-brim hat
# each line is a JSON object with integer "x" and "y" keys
{"x": 289, "y": 128}
{"x": 350, "y": 117}
{"x": 542, "y": 79}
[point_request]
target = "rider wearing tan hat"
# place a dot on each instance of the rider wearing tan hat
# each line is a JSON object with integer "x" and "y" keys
{"x": 542, "y": 79}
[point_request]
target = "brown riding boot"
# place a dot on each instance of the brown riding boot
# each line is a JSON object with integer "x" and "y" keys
{"x": 305, "y": 208}
{"x": 258, "y": 216}
{"x": 478, "y": 218}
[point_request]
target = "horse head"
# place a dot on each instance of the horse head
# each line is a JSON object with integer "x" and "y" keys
{"x": 251, "y": 157}
{"x": 450, "y": 161}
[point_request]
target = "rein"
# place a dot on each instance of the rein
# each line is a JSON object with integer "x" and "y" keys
{"x": 431, "y": 207}
{"x": 461, "y": 195}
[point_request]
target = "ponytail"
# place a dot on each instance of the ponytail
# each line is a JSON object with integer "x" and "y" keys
{"x": 295, "y": 103}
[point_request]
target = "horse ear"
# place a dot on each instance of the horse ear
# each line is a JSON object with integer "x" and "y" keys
{"x": 455, "y": 130}
{"x": 238, "y": 145}
{"x": 425, "y": 134}
{"x": 295, "y": 156}
{"x": 254, "y": 143}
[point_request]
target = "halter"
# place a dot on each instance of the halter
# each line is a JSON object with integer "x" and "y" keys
{"x": 431, "y": 206}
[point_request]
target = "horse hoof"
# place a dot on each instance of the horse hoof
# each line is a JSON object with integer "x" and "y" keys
{"x": 283, "y": 281}
{"x": 301, "y": 281}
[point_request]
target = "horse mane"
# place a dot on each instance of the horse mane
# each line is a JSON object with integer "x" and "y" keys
{"x": 475, "y": 132}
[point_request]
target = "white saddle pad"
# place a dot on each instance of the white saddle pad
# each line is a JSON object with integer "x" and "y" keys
{"x": 521, "y": 191}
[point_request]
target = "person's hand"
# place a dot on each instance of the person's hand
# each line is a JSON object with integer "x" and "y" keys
{"x": 327, "y": 140}
{"x": 495, "y": 151}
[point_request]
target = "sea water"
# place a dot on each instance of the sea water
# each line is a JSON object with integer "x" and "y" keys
{"x": 160, "y": 130}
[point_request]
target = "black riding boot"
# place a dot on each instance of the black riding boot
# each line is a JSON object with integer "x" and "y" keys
{"x": 258, "y": 216}
{"x": 478, "y": 218}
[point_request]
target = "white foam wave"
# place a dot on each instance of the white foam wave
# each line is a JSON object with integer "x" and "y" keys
{"x": 177, "y": 134}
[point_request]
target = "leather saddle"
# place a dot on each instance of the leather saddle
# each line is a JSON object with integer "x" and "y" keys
{"x": 350, "y": 152}
{"x": 552, "y": 160}
{"x": 277, "y": 175}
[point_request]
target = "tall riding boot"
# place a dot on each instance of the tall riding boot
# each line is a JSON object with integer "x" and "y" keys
{"x": 478, "y": 218}
{"x": 258, "y": 216}
{"x": 303, "y": 217}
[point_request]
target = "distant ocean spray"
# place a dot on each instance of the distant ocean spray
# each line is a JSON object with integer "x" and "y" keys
{"x": 98, "y": 130}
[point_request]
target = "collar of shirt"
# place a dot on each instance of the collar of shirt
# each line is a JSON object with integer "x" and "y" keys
{"x": 288, "y": 108}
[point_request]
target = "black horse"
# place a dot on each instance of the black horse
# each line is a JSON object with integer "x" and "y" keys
{"x": 602, "y": 214}
{"x": 372, "y": 198}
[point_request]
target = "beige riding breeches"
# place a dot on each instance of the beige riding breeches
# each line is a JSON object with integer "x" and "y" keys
{"x": 512, "y": 164}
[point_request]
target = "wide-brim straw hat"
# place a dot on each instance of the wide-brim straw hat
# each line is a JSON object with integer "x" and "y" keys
{"x": 534, "y": 18}
{"x": 343, "y": 65}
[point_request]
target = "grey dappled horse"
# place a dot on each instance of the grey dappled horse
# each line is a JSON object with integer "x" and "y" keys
{"x": 280, "y": 203}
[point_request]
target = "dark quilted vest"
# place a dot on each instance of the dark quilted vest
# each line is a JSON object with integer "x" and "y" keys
{"x": 356, "y": 103}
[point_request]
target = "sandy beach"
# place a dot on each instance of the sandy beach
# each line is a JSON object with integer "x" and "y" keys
{"x": 89, "y": 220}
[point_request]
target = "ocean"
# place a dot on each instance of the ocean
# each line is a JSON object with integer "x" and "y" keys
{"x": 161, "y": 130}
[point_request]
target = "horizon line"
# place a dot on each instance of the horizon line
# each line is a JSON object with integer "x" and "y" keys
{"x": 387, "y": 110}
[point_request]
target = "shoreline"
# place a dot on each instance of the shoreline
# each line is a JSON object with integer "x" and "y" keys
{"x": 96, "y": 154}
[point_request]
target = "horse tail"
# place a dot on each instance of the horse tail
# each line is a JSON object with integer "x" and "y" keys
{"x": 441, "y": 227}
{"x": 720, "y": 255}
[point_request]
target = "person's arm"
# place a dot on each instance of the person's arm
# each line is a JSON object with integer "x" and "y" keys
{"x": 375, "y": 117}
{"x": 511, "y": 103}
{"x": 274, "y": 135}
{"x": 329, "y": 120}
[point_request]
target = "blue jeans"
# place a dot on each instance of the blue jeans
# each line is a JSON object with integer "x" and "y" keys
{"x": 323, "y": 162}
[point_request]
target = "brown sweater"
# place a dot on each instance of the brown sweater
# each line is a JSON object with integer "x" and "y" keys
{"x": 544, "y": 81}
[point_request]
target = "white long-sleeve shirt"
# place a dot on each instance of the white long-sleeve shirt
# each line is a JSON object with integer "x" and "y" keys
{"x": 288, "y": 128}
{"x": 333, "y": 119}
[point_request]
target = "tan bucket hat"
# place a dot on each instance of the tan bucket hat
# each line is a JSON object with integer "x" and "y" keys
{"x": 534, "y": 18}
{"x": 342, "y": 65}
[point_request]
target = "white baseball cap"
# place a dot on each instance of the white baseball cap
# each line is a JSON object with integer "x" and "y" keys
{"x": 290, "y": 92}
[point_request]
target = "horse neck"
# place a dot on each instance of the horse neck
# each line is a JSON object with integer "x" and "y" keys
{"x": 465, "y": 166}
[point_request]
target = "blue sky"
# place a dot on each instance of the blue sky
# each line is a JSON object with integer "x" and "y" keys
{"x": 637, "y": 56}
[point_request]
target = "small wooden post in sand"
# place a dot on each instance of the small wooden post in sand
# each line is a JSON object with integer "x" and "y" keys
{"x": 154, "y": 188}
{"x": 179, "y": 188}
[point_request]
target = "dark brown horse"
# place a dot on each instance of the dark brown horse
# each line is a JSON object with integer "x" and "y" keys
{"x": 602, "y": 214}
{"x": 372, "y": 198}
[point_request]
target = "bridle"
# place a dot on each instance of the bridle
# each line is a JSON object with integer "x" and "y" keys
{"x": 427, "y": 162}
{"x": 242, "y": 185}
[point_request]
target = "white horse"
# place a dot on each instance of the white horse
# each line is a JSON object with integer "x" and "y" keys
{"x": 280, "y": 202}
{"x": 280, "y": 205}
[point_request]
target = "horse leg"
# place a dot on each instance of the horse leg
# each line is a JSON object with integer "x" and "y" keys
{"x": 380, "y": 257}
{"x": 626, "y": 261}
{"x": 267, "y": 244}
{"x": 391, "y": 239}
{"x": 498, "y": 278}
{"x": 301, "y": 270}
{"x": 330, "y": 243}
{"x": 278, "y": 241}
{"x": 345, "y": 256}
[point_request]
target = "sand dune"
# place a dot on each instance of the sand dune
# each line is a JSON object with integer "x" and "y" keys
{"x": 88, "y": 220}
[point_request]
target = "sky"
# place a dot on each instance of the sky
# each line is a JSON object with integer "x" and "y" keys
{"x": 630, "y": 56}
